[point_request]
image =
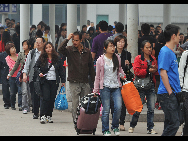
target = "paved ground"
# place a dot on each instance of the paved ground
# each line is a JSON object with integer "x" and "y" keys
{"x": 14, "y": 123}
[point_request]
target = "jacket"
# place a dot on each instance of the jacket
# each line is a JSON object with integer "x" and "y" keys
{"x": 44, "y": 69}
{"x": 4, "y": 68}
{"x": 140, "y": 66}
{"x": 181, "y": 71}
{"x": 20, "y": 61}
{"x": 99, "y": 78}
{"x": 79, "y": 65}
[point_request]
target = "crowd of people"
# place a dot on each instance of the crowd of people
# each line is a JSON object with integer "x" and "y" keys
{"x": 98, "y": 62}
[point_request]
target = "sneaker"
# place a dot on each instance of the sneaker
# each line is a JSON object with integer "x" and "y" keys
{"x": 151, "y": 131}
{"x": 20, "y": 108}
{"x": 116, "y": 131}
{"x": 49, "y": 120}
{"x": 43, "y": 120}
{"x": 24, "y": 111}
{"x": 131, "y": 130}
{"x": 107, "y": 133}
{"x": 122, "y": 128}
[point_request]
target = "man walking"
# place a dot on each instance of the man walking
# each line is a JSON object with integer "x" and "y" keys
{"x": 169, "y": 80}
{"x": 80, "y": 66}
{"x": 28, "y": 70}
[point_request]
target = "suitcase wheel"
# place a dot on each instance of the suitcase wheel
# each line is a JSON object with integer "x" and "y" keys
{"x": 94, "y": 131}
{"x": 78, "y": 131}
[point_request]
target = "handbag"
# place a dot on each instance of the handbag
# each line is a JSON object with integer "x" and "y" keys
{"x": 131, "y": 98}
{"x": 61, "y": 100}
{"x": 37, "y": 84}
{"x": 143, "y": 83}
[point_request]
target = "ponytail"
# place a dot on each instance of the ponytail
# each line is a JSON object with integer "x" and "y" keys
{"x": 115, "y": 62}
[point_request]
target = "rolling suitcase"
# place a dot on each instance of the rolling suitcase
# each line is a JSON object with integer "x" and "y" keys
{"x": 88, "y": 114}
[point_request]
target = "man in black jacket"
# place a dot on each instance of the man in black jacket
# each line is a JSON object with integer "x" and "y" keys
{"x": 4, "y": 70}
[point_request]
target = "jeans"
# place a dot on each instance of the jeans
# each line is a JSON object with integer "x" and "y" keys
{"x": 106, "y": 93}
{"x": 150, "y": 96}
{"x": 26, "y": 96}
{"x": 6, "y": 93}
{"x": 14, "y": 88}
{"x": 170, "y": 107}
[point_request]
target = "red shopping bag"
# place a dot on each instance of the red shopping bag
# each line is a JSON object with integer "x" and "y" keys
{"x": 131, "y": 98}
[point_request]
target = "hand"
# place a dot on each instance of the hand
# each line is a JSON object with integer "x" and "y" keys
{"x": 123, "y": 78}
{"x": 20, "y": 80}
{"x": 41, "y": 75}
{"x": 126, "y": 62}
{"x": 8, "y": 77}
{"x": 152, "y": 70}
{"x": 154, "y": 66}
{"x": 70, "y": 36}
{"x": 94, "y": 95}
{"x": 63, "y": 84}
{"x": 24, "y": 78}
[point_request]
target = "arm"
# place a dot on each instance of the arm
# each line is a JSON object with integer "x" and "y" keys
{"x": 16, "y": 65}
{"x": 182, "y": 64}
{"x": 138, "y": 71}
{"x": 165, "y": 80}
{"x": 62, "y": 48}
{"x": 61, "y": 71}
{"x": 94, "y": 48}
{"x": 91, "y": 67}
{"x": 97, "y": 77}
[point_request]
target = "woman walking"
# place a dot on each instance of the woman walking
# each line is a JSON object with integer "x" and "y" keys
{"x": 14, "y": 88}
{"x": 108, "y": 73}
{"x": 26, "y": 97}
{"x": 49, "y": 67}
{"x": 121, "y": 44}
{"x": 145, "y": 65}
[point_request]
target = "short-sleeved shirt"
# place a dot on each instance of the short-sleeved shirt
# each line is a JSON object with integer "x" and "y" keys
{"x": 167, "y": 60}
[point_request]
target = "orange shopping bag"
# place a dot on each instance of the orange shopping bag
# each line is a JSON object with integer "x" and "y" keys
{"x": 131, "y": 98}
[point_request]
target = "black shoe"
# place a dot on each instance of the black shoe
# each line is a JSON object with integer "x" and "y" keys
{"x": 35, "y": 116}
{"x": 6, "y": 107}
{"x": 20, "y": 108}
{"x": 13, "y": 108}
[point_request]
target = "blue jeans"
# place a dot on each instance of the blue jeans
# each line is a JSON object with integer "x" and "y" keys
{"x": 107, "y": 93}
{"x": 170, "y": 107}
{"x": 14, "y": 88}
{"x": 150, "y": 96}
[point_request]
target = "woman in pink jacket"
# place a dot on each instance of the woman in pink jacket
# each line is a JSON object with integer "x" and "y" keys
{"x": 107, "y": 79}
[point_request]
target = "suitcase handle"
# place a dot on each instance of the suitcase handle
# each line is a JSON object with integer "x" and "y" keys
{"x": 92, "y": 94}
{"x": 88, "y": 104}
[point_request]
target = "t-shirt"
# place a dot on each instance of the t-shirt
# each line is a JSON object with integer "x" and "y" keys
{"x": 167, "y": 60}
{"x": 98, "y": 44}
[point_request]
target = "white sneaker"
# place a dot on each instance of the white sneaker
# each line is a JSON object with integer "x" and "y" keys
{"x": 49, "y": 120}
{"x": 116, "y": 131}
{"x": 151, "y": 131}
{"x": 131, "y": 130}
{"x": 43, "y": 120}
{"x": 24, "y": 111}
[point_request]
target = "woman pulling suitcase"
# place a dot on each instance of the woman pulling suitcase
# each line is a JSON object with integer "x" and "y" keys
{"x": 108, "y": 73}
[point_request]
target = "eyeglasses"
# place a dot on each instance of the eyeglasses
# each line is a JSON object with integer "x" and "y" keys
{"x": 38, "y": 42}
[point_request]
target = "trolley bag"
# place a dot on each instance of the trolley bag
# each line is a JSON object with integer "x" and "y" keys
{"x": 131, "y": 98}
{"x": 88, "y": 113}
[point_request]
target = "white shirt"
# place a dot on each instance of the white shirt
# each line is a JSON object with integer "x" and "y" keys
{"x": 110, "y": 77}
{"x": 51, "y": 75}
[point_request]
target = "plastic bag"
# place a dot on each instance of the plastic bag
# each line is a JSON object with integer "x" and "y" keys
{"x": 61, "y": 100}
